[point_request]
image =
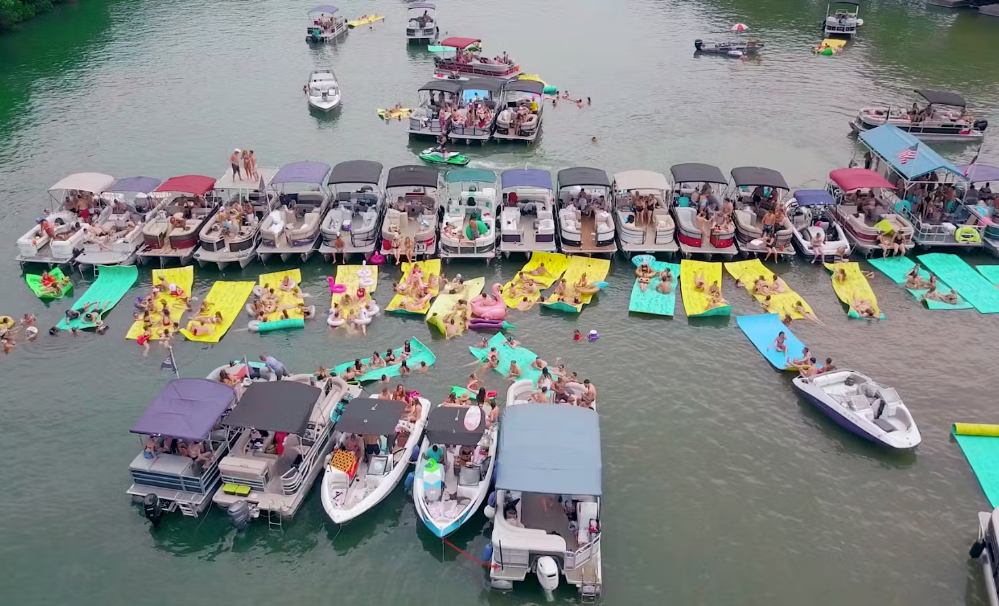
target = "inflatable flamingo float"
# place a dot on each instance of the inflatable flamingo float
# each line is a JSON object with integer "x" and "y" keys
{"x": 488, "y": 307}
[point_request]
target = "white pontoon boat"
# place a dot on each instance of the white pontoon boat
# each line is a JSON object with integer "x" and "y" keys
{"x": 114, "y": 239}
{"x": 421, "y": 22}
{"x": 325, "y": 25}
{"x": 292, "y": 228}
{"x": 691, "y": 183}
{"x": 434, "y": 96}
{"x": 756, "y": 191}
{"x": 358, "y": 209}
{"x": 980, "y": 201}
{"x": 172, "y": 235}
{"x": 232, "y": 235}
{"x": 463, "y": 57}
{"x": 585, "y": 223}
{"x": 986, "y": 551}
{"x": 412, "y": 194}
{"x": 324, "y": 90}
{"x": 468, "y": 230}
{"x": 861, "y": 203}
{"x": 842, "y": 19}
{"x": 527, "y": 221}
{"x": 477, "y": 103}
{"x": 521, "y": 110}
{"x": 945, "y": 118}
{"x": 634, "y": 235}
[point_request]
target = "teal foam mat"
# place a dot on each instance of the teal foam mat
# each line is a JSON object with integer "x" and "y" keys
{"x": 110, "y": 287}
{"x": 897, "y": 267}
{"x": 970, "y": 285}
{"x": 991, "y": 272}
{"x": 762, "y": 329}
{"x": 524, "y": 357}
{"x": 419, "y": 353}
{"x": 652, "y": 301}
{"x": 982, "y": 453}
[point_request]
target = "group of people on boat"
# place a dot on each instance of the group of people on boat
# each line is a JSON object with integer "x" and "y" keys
{"x": 199, "y": 452}
{"x": 642, "y": 206}
{"x": 234, "y": 217}
{"x": 806, "y": 364}
{"x": 249, "y": 161}
{"x": 646, "y": 274}
{"x": 476, "y": 113}
{"x": 466, "y": 56}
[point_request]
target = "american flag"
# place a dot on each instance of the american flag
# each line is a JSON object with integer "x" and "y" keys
{"x": 907, "y": 154}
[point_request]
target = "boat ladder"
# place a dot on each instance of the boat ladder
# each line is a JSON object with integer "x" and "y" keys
{"x": 187, "y": 509}
{"x": 274, "y": 519}
{"x": 589, "y": 587}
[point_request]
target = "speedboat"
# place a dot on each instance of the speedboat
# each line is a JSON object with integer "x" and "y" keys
{"x": 447, "y": 495}
{"x": 172, "y": 235}
{"x": 844, "y": 21}
{"x": 325, "y": 25}
{"x": 285, "y": 430}
{"x": 351, "y": 487}
{"x": 658, "y": 235}
{"x": 585, "y": 223}
{"x": 756, "y": 191}
{"x": 977, "y": 201}
{"x": 471, "y": 199}
{"x": 114, "y": 239}
{"x": 527, "y": 222}
{"x": 358, "y": 209}
{"x": 945, "y": 118}
{"x": 811, "y": 215}
{"x": 435, "y": 95}
{"x": 547, "y": 514}
{"x": 74, "y": 198}
{"x": 292, "y": 228}
{"x": 476, "y": 111}
{"x": 421, "y": 26}
{"x": 463, "y": 57}
{"x": 232, "y": 235}
{"x": 986, "y": 551}
{"x": 522, "y": 109}
{"x": 731, "y": 48}
{"x": 862, "y": 406}
{"x": 324, "y": 90}
{"x": 413, "y": 197}
{"x": 691, "y": 182}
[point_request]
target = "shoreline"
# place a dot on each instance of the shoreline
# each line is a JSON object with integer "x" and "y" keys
{"x": 13, "y": 13}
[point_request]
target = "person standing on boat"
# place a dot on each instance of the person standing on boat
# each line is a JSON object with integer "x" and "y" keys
{"x": 275, "y": 366}
{"x": 234, "y": 162}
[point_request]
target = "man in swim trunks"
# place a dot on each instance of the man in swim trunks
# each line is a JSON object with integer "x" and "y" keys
{"x": 802, "y": 361}
{"x": 807, "y": 372}
{"x": 539, "y": 364}
{"x": 234, "y": 163}
{"x": 491, "y": 361}
{"x": 514, "y": 373}
{"x": 541, "y": 397}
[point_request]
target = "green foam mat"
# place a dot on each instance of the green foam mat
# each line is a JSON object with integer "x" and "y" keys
{"x": 652, "y": 301}
{"x": 970, "y": 285}
{"x": 419, "y": 353}
{"x": 35, "y": 284}
{"x": 982, "y": 453}
{"x": 991, "y": 272}
{"x": 111, "y": 285}
{"x": 524, "y": 357}
{"x": 897, "y": 267}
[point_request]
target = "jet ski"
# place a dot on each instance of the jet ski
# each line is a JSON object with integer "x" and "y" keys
{"x": 433, "y": 155}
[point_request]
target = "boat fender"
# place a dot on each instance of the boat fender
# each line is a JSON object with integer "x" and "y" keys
{"x": 487, "y": 551}
{"x": 698, "y": 44}
{"x": 976, "y": 549}
{"x": 410, "y": 479}
{"x": 490, "y": 513}
{"x": 492, "y": 500}
{"x": 415, "y": 455}
{"x": 734, "y": 53}
{"x": 239, "y": 513}
{"x": 152, "y": 509}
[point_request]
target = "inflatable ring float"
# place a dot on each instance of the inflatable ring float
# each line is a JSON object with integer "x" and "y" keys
{"x": 967, "y": 234}
{"x": 336, "y": 289}
{"x": 480, "y": 226}
{"x": 378, "y": 258}
{"x": 335, "y": 321}
{"x": 7, "y": 322}
{"x": 362, "y": 318}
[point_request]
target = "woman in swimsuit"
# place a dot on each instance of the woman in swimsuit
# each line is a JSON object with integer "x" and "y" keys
{"x": 699, "y": 281}
{"x": 376, "y": 361}
{"x": 408, "y": 248}
{"x": 760, "y": 287}
{"x": 800, "y": 308}
{"x": 645, "y": 275}
{"x": 778, "y": 343}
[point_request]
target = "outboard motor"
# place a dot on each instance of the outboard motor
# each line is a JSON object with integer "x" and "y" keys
{"x": 981, "y": 125}
{"x": 698, "y": 44}
{"x": 547, "y": 571}
{"x": 152, "y": 509}
{"x": 239, "y": 513}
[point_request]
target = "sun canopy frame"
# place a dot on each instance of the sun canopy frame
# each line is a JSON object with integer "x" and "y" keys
{"x": 356, "y": 171}
{"x": 582, "y": 175}
{"x": 412, "y": 176}
{"x": 197, "y": 185}
{"x": 749, "y": 176}
{"x": 525, "y": 86}
{"x": 424, "y": 5}
{"x": 888, "y": 141}
{"x": 186, "y": 409}
{"x": 137, "y": 185}
{"x": 371, "y": 416}
{"x": 941, "y": 97}
{"x": 313, "y": 173}
{"x": 328, "y": 9}
{"x": 459, "y": 42}
{"x": 640, "y": 179}
{"x": 446, "y": 425}
{"x": 693, "y": 172}
{"x": 470, "y": 175}
{"x": 526, "y": 177}
{"x": 275, "y": 406}
{"x": 443, "y": 85}
{"x": 94, "y": 183}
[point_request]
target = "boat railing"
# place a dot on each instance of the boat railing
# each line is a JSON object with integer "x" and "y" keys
{"x": 578, "y": 558}
{"x": 925, "y": 232}
{"x": 467, "y": 249}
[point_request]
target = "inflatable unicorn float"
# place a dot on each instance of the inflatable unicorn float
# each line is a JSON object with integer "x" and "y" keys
{"x": 358, "y": 309}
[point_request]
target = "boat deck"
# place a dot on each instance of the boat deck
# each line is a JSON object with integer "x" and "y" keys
{"x": 44, "y": 257}
{"x": 708, "y": 250}
{"x": 544, "y": 512}
{"x": 106, "y": 258}
{"x": 753, "y": 251}
{"x": 588, "y": 240}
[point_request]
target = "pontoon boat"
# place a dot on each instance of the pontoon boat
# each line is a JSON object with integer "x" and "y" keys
{"x": 755, "y": 192}
{"x": 585, "y": 223}
{"x": 521, "y": 111}
{"x": 862, "y": 406}
{"x": 469, "y": 227}
{"x": 325, "y": 25}
{"x": 232, "y": 235}
{"x": 945, "y": 118}
{"x": 810, "y": 211}
{"x": 421, "y": 23}
{"x": 477, "y": 112}
{"x": 731, "y": 48}
{"x": 860, "y": 188}
{"x": 114, "y": 239}
{"x": 292, "y": 228}
{"x": 844, "y": 21}
{"x": 527, "y": 222}
{"x": 324, "y": 90}
{"x": 358, "y": 209}
{"x": 980, "y": 202}
{"x": 635, "y": 234}
{"x": 692, "y": 182}
{"x": 455, "y": 468}
{"x": 351, "y": 486}
{"x": 74, "y": 198}
{"x": 435, "y": 96}
{"x": 464, "y": 61}
{"x": 412, "y": 197}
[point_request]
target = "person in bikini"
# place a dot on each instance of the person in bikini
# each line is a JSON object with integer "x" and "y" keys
{"x": 645, "y": 275}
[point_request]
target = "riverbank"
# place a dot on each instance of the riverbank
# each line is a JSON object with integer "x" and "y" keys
{"x": 15, "y": 12}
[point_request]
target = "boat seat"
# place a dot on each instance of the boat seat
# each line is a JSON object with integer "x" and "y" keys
{"x": 585, "y": 512}
{"x": 604, "y": 222}
{"x": 859, "y": 403}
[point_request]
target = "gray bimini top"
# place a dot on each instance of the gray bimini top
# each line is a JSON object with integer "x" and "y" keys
{"x": 448, "y": 86}
{"x": 941, "y": 97}
{"x": 276, "y": 406}
{"x": 356, "y": 171}
{"x": 697, "y": 173}
{"x": 412, "y": 176}
{"x": 371, "y": 416}
{"x": 756, "y": 175}
{"x": 186, "y": 409}
{"x": 582, "y": 175}
{"x": 446, "y": 425}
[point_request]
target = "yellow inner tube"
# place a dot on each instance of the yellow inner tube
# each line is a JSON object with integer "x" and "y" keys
{"x": 968, "y": 234}
{"x": 7, "y": 322}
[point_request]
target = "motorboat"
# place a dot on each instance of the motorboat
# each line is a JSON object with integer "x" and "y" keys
{"x": 232, "y": 235}
{"x": 755, "y": 192}
{"x": 476, "y": 114}
{"x": 172, "y": 234}
{"x": 986, "y": 551}
{"x": 547, "y": 517}
{"x": 651, "y": 189}
{"x": 468, "y": 230}
{"x": 691, "y": 182}
{"x": 731, "y": 48}
{"x": 522, "y": 107}
{"x": 842, "y": 19}
{"x": 351, "y": 486}
{"x": 285, "y": 430}
{"x": 435, "y": 96}
{"x": 412, "y": 194}
{"x": 421, "y": 27}
{"x": 944, "y": 118}
{"x": 454, "y": 471}
{"x": 114, "y": 238}
{"x": 811, "y": 215}
{"x": 358, "y": 209}
{"x": 862, "y": 406}
{"x": 291, "y": 229}
{"x": 854, "y": 188}
{"x": 463, "y": 57}
{"x": 325, "y": 25}
{"x": 980, "y": 202}
{"x": 527, "y": 221}
{"x": 324, "y": 90}
{"x": 585, "y": 223}
{"x": 57, "y": 236}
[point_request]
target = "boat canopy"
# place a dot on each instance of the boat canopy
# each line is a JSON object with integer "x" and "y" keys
{"x": 470, "y": 175}
{"x": 356, "y": 171}
{"x": 458, "y": 42}
{"x": 371, "y": 416}
{"x": 488, "y": 84}
{"x": 979, "y": 173}
{"x": 448, "y": 86}
{"x": 849, "y": 2}
{"x": 94, "y": 183}
{"x": 302, "y": 172}
{"x": 423, "y": 5}
{"x": 446, "y": 425}
{"x": 141, "y": 185}
{"x": 526, "y": 177}
{"x": 275, "y": 406}
{"x": 549, "y": 449}
{"x": 756, "y": 175}
{"x": 888, "y": 142}
{"x": 185, "y": 409}
{"x": 525, "y": 86}
{"x": 640, "y": 179}
{"x": 188, "y": 184}
{"x": 582, "y": 175}
{"x": 813, "y": 197}
{"x": 324, "y": 8}
{"x": 850, "y": 179}
{"x": 941, "y": 97}
{"x": 412, "y": 175}
{"x": 697, "y": 173}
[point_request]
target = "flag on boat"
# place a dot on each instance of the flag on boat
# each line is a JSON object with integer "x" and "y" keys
{"x": 907, "y": 154}
{"x": 170, "y": 363}
{"x": 739, "y": 27}
{"x": 971, "y": 167}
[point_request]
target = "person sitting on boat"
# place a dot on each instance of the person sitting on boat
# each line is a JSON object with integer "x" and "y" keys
{"x": 985, "y": 193}
{"x": 886, "y": 239}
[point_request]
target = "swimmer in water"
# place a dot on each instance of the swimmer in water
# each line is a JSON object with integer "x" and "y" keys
{"x": 665, "y": 285}
{"x": 525, "y": 304}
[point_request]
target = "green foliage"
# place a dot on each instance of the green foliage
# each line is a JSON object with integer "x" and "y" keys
{"x": 13, "y": 12}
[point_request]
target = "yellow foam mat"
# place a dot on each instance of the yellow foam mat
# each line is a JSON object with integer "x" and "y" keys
{"x": 227, "y": 298}
{"x": 833, "y": 43}
{"x": 595, "y": 269}
{"x": 976, "y": 429}
{"x": 430, "y": 267}
{"x": 748, "y": 272}
{"x": 347, "y": 275}
{"x": 285, "y": 297}
{"x": 555, "y": 266}
{"x": 854, "y": 285}
{"x": 183, "y": 277}
{"x": 393, "y": 114}
{"x": 695, "y": 302}
{"x": 365, "y": 20}
{"x": 444, "y": 304}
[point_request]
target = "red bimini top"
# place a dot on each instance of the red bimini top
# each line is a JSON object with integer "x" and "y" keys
{"x": 456, "y": 42}
{"x": 188, "y": 184}
{"x": 849, "y": 179}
